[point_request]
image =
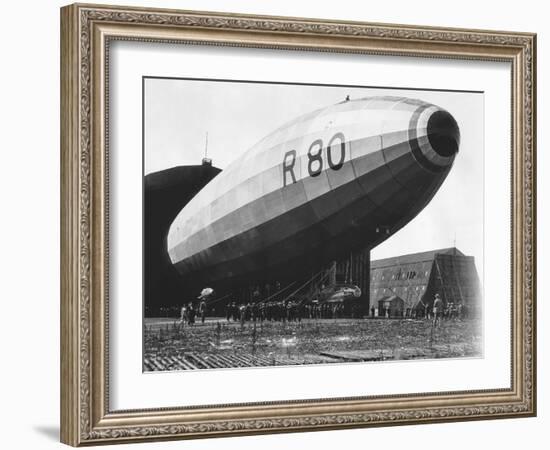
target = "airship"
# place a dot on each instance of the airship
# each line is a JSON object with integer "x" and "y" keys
{"x": 345, "y": 176}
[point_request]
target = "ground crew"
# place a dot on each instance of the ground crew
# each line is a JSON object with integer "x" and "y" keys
{"x": 437, "y": 310}
{"x": 202, "y": 310}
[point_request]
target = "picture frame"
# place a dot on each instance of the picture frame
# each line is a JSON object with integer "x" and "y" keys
{"x": 87, "y": 32}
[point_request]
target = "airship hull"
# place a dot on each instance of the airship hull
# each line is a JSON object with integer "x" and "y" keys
{"x": 347, "y": 176}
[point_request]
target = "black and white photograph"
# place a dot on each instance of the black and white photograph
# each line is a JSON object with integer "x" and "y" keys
{"x": 292, "y": 224}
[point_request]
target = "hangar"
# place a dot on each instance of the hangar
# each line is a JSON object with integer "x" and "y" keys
{"x": 412, "y": 281}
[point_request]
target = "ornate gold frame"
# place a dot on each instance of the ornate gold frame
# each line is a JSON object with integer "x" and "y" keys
{"x": 86, "y": 31}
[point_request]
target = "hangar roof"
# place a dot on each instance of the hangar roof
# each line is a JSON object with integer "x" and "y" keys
{"x": 414, "y": 257}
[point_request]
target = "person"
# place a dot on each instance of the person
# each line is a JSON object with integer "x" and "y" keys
{"x": 228, "y": 311}
{"x": 460, "y": 311}
{"x": 288, "y": 311}
{"x": 191, "y": 314}
{"x": 242, "y": 313}
{"x": 261, "y": 311}
{"x": 202, "y": 310}
{"x": 437, "y": 310}
{"x": 183, "y": 317}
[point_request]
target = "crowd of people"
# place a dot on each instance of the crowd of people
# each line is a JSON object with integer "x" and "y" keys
{"x": 282, "y": 311}
{"x": 440, "y": 310}
{"x": 190, "y": 311}
{"x": 292, "y": 310}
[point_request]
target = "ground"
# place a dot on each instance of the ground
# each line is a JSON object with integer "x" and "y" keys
{"x": 219, "y": 344}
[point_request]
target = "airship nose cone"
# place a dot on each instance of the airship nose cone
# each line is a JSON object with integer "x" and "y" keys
{"x": 434, "y": 137}
{"x": 443, "y": 133}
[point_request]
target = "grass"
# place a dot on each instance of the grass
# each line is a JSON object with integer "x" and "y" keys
{"x": 318, "y": 341}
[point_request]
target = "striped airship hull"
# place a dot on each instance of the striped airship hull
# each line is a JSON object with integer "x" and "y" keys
{"x": 340, "y": 178}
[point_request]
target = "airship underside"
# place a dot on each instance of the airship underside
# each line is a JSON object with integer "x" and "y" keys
{"x": 342, "y": 177}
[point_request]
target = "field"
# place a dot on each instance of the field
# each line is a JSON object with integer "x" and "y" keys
{"x": 218, "y": 344}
